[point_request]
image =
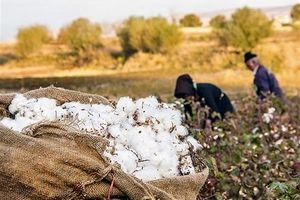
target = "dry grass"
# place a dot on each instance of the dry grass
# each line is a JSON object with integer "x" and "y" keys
{"x": 145, "y": 74}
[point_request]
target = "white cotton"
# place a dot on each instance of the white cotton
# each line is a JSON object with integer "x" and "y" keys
{"x": 127, "y": 159}
{"x": 255, "y": 130}
{"x": 169, "y": 164}
{"x": 271, "y": 110}
{"x": 267, "y": 117}
{"x": 182, "y": 148}
{"x": 181, "y": 130}
{"x": 10, "y": 123}
{"x": 145, "y": 138}
{"x": 149, "y": 102}
{"x": 17, "y": 124}
{"x": 186, "y": 165}
{"x": 18, "y": 101}
{"x": 47, "y": 104}
{"x": 284, "y": 128}
{"x": 195, "y": 144}
{"x": 148, "y": 173}
{"x": 115, "y": 131}
{"x": 126, "y": 104}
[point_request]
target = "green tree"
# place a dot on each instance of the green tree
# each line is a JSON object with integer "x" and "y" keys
{"x": 190, "y": 20}
{"x": 81, "y": 35}
{"x": 295, "y": 12}
{"x": 218, "y": 21}
{"x": 153, "y": 35}
{"x": 30, "y": 39}
{"x": 246, "y": 28}
{"x": 83, "y": 38}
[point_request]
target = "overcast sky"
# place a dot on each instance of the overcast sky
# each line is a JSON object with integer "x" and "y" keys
{"x": 55, "y": 13}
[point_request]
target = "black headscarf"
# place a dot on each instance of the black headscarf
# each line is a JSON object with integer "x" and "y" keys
{"x": 184, "y": 86}
{"x": 249, "y": 55}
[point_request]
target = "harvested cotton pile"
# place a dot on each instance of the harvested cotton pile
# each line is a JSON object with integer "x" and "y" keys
{"x": 146, "y": 138}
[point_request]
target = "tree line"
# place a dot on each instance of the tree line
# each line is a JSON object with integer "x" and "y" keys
{"x": 243, "y": 30}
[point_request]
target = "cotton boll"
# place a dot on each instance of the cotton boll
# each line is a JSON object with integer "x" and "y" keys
{"x": 181, "y": 131}
{"x": 115, "y": 131}
{"x": 24, "y": 112}
{"x": 142, "y": 139}
{"x": 271, "y": 110}
{"x": 74, "y": 108}
{"x": 145, "y": 149}
{"x": 169, "y": 120}
{"x": 167, "y": 161}
{"x": 100, "y": 108}
{"x": 127, "y": 160}
{"x": 170, "y": 172}
{"x": 148, "y": 173}
{"x": 267, "y": 117}
{"x": 186, "y": 165}
{"x": 175, "y": 116}
{"x": 163, "y": 136}
{"x": 23, "y": 122}
{"x": 57, "y": 113}
{"x": 167, "y": 148}
{"x": 101, "y": 126}
{"x": 82, "y": 115}
{"x": 169, "y": 166}
{"x": 181, "y": 148}
{"x": 156, "y": 159}
{"x": 47, "y": 104}
{"x": 147, "y": 102}
{"x": 126, "y": 104}
{"x": 146, "y": 108}
{"x": 18, "y": 101}
{"x": 9, "y": 123}
{"x": 195, "y": 144}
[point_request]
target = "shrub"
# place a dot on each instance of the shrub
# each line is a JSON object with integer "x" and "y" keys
{"x": 153, "y": 35}
{"x": 83, "y": 38}
{"x": 246, "y": 29}
{"x": 190, "y": 20}
{"x": 30, "y": 39}
{"x": 218, "y": 21}
{"x": 295, "y": 12}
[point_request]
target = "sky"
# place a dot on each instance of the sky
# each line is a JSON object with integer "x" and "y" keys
{"x": 56, "y": 13}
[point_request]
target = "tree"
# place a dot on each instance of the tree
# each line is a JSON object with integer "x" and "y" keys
{"x": 81, "y": 35}
{"x": 295, "y": 12}
{"x": 153, "y": 35}
{"x": 83, "y": 38}
{"x": 246, "y": 28}
{"x": 218, "y": 21}
{"x": 30, "y": 39}
{"x": 190, "y": 20}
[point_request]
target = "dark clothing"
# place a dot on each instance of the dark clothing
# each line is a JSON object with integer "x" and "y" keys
{"x": 213, "y": 97}
{"x": 266, "y": 82}
{"x": 206, "y": 93}
{"x": 184, "y": 86}
{"x": 248, "y": 56}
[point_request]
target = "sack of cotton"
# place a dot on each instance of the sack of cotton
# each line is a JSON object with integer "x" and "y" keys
{"x": 57, "y": 143}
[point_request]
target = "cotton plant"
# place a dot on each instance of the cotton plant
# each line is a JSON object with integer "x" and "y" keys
{"x": 146, "y": 138}
{"x": 268, "y": 116}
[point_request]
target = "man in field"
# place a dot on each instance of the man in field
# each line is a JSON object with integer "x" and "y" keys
{"x": 206, "y": 94}
{"x": 264, "y": 81}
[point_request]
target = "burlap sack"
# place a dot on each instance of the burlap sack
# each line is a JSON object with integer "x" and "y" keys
{"x": 52, "y": 161}
{"x": 55, "y": 161}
